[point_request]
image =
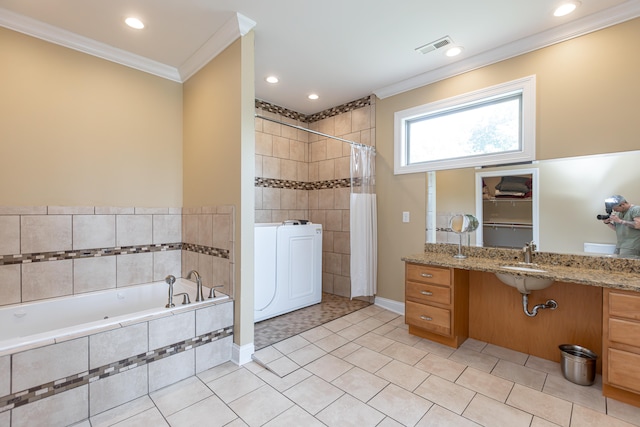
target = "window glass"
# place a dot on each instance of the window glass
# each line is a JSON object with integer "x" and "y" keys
{"x": 488, "y": 127}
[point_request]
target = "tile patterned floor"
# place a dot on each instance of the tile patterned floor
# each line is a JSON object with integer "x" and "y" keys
{"x": 364, "y": 369}
{"x": 279, "y": 328}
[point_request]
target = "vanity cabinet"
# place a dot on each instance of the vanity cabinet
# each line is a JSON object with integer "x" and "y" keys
{"x": 621, "y": 346}
{"x": 437, "y": 303}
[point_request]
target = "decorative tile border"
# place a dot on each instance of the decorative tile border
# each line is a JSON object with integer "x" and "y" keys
{"x": 86, "y": 253}
{"x": 206, "y": 250}
{"x": 290, "y": 114}
{"x": 118, "y": 250}
{"x": 61, "y": 385}
{"x": 301, "y": 185}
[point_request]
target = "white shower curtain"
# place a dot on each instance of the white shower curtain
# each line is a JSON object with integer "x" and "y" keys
{"x": 363, "y": 221}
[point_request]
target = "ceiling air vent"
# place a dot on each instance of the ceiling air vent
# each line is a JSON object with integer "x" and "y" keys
{"x": 438, "y": 44}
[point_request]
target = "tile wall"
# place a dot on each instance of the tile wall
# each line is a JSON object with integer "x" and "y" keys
{"x": 51, "y": 251}
{"x": 70, "y": 381}
{"x": 208, "y": 245}
{"x": 301, "y": 175}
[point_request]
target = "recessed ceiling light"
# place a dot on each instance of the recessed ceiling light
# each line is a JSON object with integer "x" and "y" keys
{"x": 272, "y": 79}
{"x": 566, "y": 8}
{"x": 134, "y": 23}
{"x": 313, "y": 96}
{"x": 454, "y": 51}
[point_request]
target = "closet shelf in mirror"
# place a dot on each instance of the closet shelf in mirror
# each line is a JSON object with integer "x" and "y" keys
{"x": 508, "y": 225}
{"x": 509, "y": 199}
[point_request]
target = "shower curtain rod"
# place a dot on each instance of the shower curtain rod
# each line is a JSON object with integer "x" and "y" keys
{"x": 357, "y": 144}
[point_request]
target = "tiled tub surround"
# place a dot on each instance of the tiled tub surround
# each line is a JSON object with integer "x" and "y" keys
{"x": 36, "y": 324}
{"x": 67, "y": 382}
{"x": 50, "y": 251}
{"x": 300, "y": 175}
{"x": 603, "y": 271}
{"x": 208, "y": 235}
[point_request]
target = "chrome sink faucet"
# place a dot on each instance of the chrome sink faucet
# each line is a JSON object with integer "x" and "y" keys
{"x": 528, "y": 250}
{"x": 199, "y": 296}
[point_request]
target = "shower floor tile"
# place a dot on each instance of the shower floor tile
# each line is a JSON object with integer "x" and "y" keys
{"x": 279, "y": 328}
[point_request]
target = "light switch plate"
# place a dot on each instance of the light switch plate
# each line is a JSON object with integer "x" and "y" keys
{"x": 406, "y": 217}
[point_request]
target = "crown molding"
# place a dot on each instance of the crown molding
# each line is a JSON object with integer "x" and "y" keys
{"x": 235, "y": 27}
{"x": 582, "y": 26}
{"x": 49, "y": 33}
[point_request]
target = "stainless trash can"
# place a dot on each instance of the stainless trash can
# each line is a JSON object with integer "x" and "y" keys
{"x": 578, "y": 364}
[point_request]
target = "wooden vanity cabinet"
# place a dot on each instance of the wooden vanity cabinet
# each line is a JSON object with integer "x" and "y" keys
{"x": 437, "y": 303}
{"x": 621, "y": 346}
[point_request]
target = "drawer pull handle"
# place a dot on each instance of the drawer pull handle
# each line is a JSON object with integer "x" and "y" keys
{"x": 426, "y": 275}
{"x": 427, "y": 293}
{"x": 427, "y": 318}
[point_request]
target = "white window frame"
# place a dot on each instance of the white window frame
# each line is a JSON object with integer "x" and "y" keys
{"x": 525, "y": 85}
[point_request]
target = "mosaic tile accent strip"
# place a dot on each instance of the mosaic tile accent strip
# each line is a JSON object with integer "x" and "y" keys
{"x": 61, "y": 385}
{"x": 206, "y": 250}
{"x": 284, "y": 112}
{"x": 301, "y": 185}
{"x": 344, "y": 108}
{"x": 278, "y": 328}
{"x": 290, "y": 114}
{"x": 119, "y": 250}
{"x": 87, "y": 253}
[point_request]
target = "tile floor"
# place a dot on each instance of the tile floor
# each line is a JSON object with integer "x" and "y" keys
{"x": 364, "y": 369}
{"x": 278, "y": 328}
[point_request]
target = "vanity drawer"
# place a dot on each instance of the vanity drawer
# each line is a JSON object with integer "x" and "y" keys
{"x": 423, "y": 292}
{"x": 624, "y": 369}
{"x": 434, "y": 319}
{"x": 624, "y": 332}
{"x": 427, "y": 274}
{"x": 624, "y": 305}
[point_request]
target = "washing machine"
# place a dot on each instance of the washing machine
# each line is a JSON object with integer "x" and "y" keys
{"x": 288, "y": 267}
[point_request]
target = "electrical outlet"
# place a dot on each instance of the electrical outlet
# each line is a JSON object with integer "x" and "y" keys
{"x": 406, "y": 217}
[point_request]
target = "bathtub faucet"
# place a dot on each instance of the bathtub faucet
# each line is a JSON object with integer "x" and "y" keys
{"x": 199, "y": 296}
{"x": 170, "y": 279}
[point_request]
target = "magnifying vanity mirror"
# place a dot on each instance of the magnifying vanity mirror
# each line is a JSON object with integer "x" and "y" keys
{"x": 461, "y": 224}
{"x": 570, "y": 192}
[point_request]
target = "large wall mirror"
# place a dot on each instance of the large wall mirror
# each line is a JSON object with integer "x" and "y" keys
{"x": 571, "y": 192}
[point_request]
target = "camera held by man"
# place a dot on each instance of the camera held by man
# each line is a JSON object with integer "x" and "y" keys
{"x": 624, "y": 219}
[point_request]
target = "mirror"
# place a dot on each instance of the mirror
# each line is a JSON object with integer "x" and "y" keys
{"x": 507, "y": 207}
{"x": 571, "y": 194}
{"x": 461, "y": 224}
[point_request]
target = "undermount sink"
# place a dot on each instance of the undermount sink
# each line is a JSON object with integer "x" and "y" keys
{"x": 524, "y": 284}
{"x": 520, "y": 268}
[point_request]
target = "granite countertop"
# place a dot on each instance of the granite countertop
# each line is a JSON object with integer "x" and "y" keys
{"x": 603, "y": 271}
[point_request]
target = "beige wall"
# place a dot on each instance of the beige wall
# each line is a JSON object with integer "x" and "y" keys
{"x": 587, "y": 90}
{"x": 219, "y": 158}
{"x": 79, "y": 130}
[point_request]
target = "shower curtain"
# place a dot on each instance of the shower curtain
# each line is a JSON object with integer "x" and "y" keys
{"x": 363, "y": 222}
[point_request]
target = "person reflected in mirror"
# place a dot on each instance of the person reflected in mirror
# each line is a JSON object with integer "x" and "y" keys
{"x": 625, "y": 221}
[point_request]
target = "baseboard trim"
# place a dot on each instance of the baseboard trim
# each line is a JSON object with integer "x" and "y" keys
{"x": 242, "y": 354}
{"x": 391, "y": 305}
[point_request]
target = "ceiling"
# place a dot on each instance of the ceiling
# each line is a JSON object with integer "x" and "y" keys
{"x": 341, "y": 50}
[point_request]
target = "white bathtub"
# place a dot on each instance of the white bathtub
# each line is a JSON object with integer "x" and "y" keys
{"x": 39, "y": 323}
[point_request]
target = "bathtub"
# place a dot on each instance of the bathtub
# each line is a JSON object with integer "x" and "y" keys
{"x": 47, "y": 321}
{"x": 64, "y": 359}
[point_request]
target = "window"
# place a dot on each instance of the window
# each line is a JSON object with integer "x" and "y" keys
{"x": 491, "y": 126}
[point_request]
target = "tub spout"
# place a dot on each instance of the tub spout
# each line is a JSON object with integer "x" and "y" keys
{"x": 185, "y": 298}
{"x": 199, "y": 296}
{"x": 170, "y": 281}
